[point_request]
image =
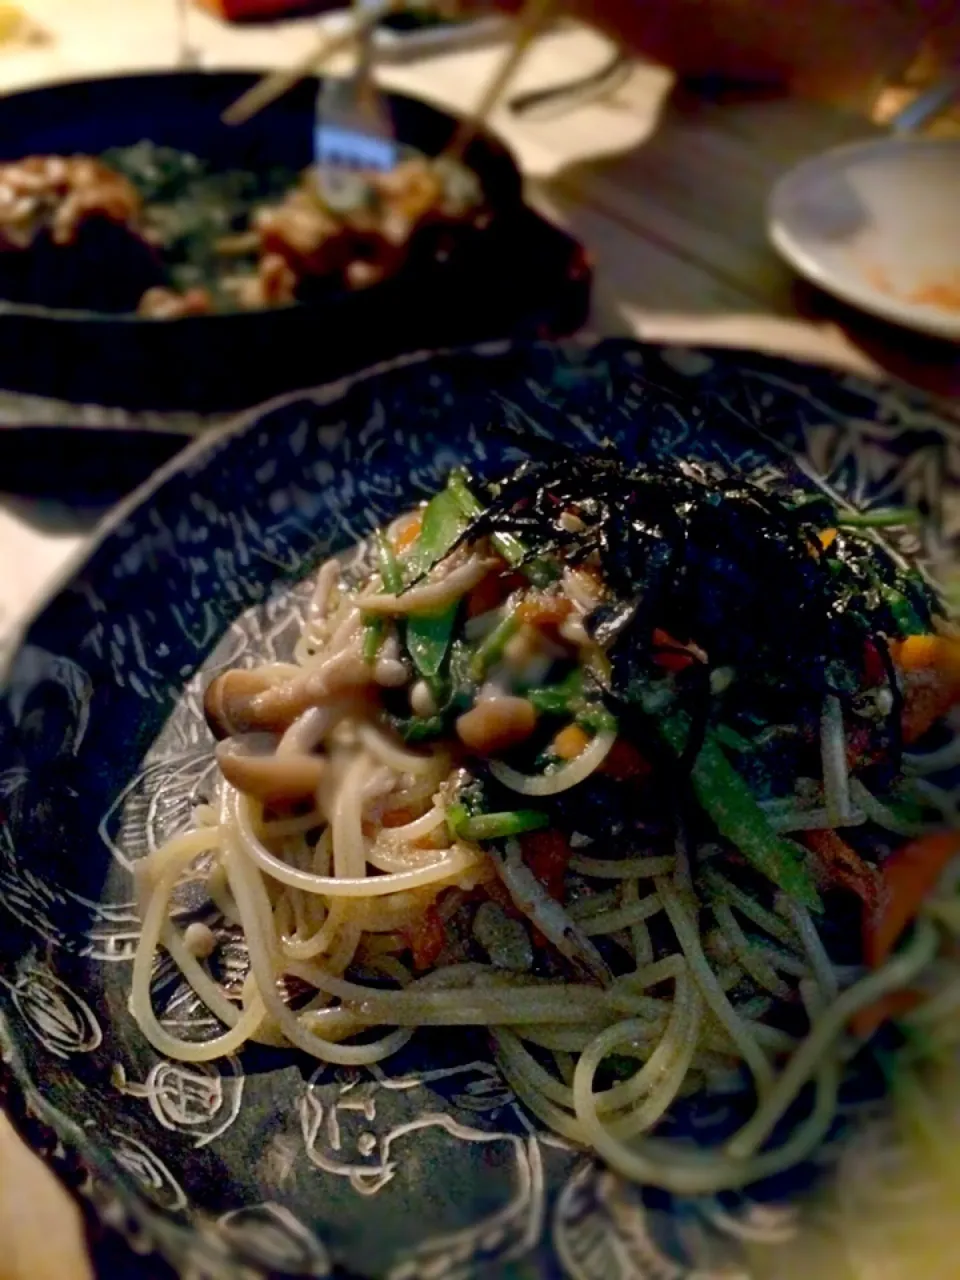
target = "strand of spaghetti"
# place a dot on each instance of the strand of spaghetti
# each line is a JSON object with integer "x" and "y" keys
{"x": 668, "y": 968}
{"x": 553, "y": 1117}
{"x": 627, "y": 869}
{"x": 769, "y": 922}
{"x": 682, "y": 1171}
{"x": 345, "y": 948}
{"x": 397, "y": 860}
{"x": 410, "y": 832}
{"x": 623, "y": 917}
{"x": 567, "y": 1039}
{"x": 251, "y": 897}
{"x": 568, "y": 775}
{"x": 463, "y": 1006}
{"x": 594, "y": 905}
{"x": 614, "y": 1099}
{"x": 279, "y": 828}
{"x": 221, "y": 896}
{"x": 376, "y": 742}
{"x": 318, "y": 942}
{"x": 141, "y": 1004}
{"x": 897, "y": 973}
{"x": 639, "y": 933}
{"x": 751, "y": 958}
{"x": 175, "y": 850}
{"x": 471, "y": 1008}
{"x": 689, "y": 938}
{"x": 783, "y": 961}
{"x": 823, "y": 970}
{"x": 447, "y": 869}
{"x": 210, "y": 992}
{"x": 660, "y": 1077}
{"x": 346, "y": 822}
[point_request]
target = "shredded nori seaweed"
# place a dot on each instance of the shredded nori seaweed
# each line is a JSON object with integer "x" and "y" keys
{"x": 717, "y": 561}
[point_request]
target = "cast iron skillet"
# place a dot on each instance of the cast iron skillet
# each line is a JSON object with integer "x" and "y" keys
{"x": 521, "y": 277}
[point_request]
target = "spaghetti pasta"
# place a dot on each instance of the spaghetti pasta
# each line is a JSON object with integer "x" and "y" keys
{"x": 668, "y": 927}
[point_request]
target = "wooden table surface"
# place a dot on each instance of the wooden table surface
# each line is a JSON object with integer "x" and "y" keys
{"x": 667, "y": 190}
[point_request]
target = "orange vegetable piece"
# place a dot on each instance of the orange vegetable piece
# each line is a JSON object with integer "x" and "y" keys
{"x": 428, "y": 940}
{"x": 570, "y": 742}
{"x": 930, "y": 676}
{"x": 541, "y": 610}
{"x": 908, "y": 876}
{"x": 888, "y": 1008}
{"x": 826, "y": 538}
{"x": 929, "y": 653}
{"x": 408, "y": 532}
{"x": 843, "y": 866}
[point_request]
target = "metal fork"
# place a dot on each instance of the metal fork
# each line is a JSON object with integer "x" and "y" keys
{"x": 353, "y": 130}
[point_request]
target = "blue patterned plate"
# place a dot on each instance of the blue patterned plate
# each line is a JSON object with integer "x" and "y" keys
{"x": 426, "y": 1168}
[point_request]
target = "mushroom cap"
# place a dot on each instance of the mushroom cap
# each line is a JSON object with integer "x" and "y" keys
{"x": 251, "y": 764}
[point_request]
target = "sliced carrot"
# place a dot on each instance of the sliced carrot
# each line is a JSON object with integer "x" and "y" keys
{"x": 929, "y": 652}
{"x": 908, "y": 876}
{"x": 927, "y": 698}
{"x": 843, "y": 866}
{"x": 407, "y": 534}
{"x": 624, "y": 762}
{"x": 826, "y": 538}
{"x": 887, "y": 1009}
{"x": 930, "y": 679}
{"x": 570, "y": 742}
{"x": 541, "y": 610}
{"x": 428, "y": 939}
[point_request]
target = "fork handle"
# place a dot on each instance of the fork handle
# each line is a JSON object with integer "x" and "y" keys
{"x": 276, "y": 83}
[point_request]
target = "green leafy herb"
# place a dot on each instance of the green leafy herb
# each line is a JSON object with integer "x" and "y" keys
{"x": 892, "y": 518}
{"x": 428, "y": 635}
{"x": 490, "y": 651}
{"x": 511, "y": 548}
{"x": 374, "y": 628}
{"x": 373, "y": 636}
{"x": 597, "y": 719}
{"x": 730, "y": 804}
{"x": 558, "y": 699}
{"x": 494, "y": 826}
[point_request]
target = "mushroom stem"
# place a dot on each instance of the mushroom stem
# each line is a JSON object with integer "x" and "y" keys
{"x": 251, "y": 701}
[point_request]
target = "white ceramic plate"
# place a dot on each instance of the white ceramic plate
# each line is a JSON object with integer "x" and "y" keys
{"x": 878, "y": 225}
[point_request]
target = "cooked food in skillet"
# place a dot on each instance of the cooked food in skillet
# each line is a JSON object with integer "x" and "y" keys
{"x": 158, "y": 231}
